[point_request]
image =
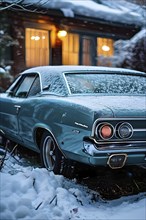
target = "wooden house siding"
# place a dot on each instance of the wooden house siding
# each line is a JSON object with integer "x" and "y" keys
{"x": 54, "y": 21}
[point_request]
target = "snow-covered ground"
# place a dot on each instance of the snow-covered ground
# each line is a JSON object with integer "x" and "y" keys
{"x": 27, "y": 192}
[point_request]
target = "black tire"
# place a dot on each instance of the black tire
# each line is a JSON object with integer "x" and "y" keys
{"x": 52, "y": 158}
{"x": 3, "y": 141}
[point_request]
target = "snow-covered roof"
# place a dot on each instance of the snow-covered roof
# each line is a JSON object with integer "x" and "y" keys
{"x": 138, "y": 36}
{"x": 119, "y": 11}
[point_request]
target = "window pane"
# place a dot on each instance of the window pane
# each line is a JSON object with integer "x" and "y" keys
{"x": 37, "y": 47}
{"x": 105, "y": 51}
{"x": 25, "y": 86}
{"x": 70, "y": 49}
{"x": 36, "y": 88}
{"x": 106, "y": 83}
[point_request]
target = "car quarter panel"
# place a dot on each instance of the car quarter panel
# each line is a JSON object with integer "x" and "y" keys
{"x": 55, "y": 115}
{"x": 67, "y": 119}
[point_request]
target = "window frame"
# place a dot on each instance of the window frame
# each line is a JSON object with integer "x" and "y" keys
{"x": 19, "y": 81}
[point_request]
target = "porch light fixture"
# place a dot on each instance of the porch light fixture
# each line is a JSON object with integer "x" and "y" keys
{"x": 105, "y": 48}
{"x": 61, "y": 33}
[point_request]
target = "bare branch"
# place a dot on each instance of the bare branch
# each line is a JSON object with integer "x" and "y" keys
{"x": 11, "y": 5}
{"x": 19, "y": 5}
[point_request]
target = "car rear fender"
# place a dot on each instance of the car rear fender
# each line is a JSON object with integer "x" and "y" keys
{"x": 38, "y": 133}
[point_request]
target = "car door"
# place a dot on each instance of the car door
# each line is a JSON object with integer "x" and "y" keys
{"x": 26, "y": 116}
{"x": 8, "y": 112}
{"x": 10, "y": 106}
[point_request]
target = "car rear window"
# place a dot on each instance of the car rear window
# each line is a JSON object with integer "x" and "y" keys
{"x": 106, "y": 83}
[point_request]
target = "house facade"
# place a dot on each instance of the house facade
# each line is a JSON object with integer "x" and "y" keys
{"x": 53, "y": 38}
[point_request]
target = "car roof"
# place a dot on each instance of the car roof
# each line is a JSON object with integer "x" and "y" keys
{"x": 49, "y": 73}
{"x": 59, "y": 69}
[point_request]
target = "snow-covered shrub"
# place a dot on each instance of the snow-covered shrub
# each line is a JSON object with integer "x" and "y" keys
{"x": 132, "y": 54}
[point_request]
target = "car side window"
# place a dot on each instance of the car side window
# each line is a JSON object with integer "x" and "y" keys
{"x": 24, "y": 87}
{"x": 35, "y": 88}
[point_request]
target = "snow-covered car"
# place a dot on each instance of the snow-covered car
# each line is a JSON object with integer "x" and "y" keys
{"x": 78, "y": 114}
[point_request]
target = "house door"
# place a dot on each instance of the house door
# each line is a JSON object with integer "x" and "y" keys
{"x": 88, "y": 50}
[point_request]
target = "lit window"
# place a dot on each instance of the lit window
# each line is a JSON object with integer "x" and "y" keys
{"x": 105, "y": 51}
{"x": 37, "y": 47}
{"x": 70, "y": 49}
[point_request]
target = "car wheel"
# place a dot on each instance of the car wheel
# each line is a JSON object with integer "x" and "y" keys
{"x": 52, "y": 158}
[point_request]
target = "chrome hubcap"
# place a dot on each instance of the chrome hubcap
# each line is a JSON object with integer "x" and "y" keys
{"x": 49, "y": 153}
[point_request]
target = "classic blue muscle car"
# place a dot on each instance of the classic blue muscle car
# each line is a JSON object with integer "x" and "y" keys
{"x": 78, "y": 114}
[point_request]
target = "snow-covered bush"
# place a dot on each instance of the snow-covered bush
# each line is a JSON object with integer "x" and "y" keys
{"x": 132, "y": 53}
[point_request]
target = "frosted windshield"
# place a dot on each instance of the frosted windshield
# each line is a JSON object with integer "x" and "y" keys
{"x": 106, "y": 83}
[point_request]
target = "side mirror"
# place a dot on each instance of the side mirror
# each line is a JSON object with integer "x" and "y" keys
{"x": 10, "y": 93}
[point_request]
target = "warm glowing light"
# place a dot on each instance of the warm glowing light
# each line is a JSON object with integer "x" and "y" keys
{"x": 105, "y": 48}
{"x": 62, "y": 33}
{"x": 35, "y": 38}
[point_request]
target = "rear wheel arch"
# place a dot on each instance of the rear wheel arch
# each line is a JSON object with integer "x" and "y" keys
{"x": 62, "y": 165}
{"x": 38, "y": 135}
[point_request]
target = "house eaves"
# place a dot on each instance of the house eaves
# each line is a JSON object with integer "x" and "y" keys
{"x": 89, "y": 10}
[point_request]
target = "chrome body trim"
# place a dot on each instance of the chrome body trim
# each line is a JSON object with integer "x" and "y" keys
{"x": 119, "y": 140}
{"x": 139, "y": 130}
{"x": 113, "y": 150}
{"x": 116, "y": 142}
{"x": 114, "y": 119}
{"x": 114, "y": 155}
{"x": 66, "y": 83}
{"x": 81, "y": 125}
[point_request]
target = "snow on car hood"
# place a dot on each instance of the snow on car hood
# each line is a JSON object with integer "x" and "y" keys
{"x": 120, "y": 106}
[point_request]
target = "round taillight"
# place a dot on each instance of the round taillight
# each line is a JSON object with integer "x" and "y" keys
{"x": 125, "y": 130}
{"x": 106, "y": 131}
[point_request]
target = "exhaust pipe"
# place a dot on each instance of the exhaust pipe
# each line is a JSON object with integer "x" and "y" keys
{"x": 117, "y": 161}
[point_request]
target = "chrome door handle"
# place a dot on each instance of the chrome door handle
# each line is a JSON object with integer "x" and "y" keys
{"x": 17, "y": 108}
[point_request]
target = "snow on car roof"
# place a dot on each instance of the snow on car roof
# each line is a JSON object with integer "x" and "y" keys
{"x": 52, "y": 74}
{"x": 67, "y": 68}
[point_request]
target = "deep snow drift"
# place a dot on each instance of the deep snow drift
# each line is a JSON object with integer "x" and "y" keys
{"x": 34, "y": 193}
